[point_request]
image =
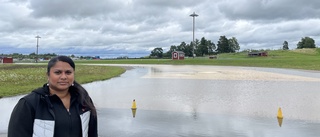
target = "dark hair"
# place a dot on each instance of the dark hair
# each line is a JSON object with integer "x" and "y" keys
{"x": 54, "y": 60}
{"x": 83, "y": 97}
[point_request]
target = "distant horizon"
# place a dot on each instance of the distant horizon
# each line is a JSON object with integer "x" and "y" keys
{"x": 91, "y": 55}
{"x": 119, "y": 54}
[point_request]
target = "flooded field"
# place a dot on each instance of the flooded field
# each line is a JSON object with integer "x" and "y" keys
{"x": 204, "y": 101}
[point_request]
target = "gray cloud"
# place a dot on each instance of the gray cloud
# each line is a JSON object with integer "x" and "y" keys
{"x": 135, "y": 27}
{"x": 73, "y": 8}
{"x": 270, "y": 9}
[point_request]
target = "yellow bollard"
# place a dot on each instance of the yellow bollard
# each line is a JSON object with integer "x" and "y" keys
{"x": 134, "y": 108}
{"x": 279, "y": 113}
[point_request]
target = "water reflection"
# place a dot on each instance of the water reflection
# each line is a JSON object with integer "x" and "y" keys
{"x": 207, "y": 101}
{"x": 280, "y": 121}
{"x": 7, "y": 105}
{"x": 149, "y": 123}
{"x": 216, "y": 101}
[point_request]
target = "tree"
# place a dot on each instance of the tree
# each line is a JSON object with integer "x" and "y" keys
{"x": 223, "y": 45}
{"x": 33, "y": 55}
{"x": 285, "y": 45}
{"x": 169, "y": 53}
{"x": 205, "y": 47}
{"x": 187, "y": 49}
{"x": 202, "y": 48}
{"x": 211, "y": 47}
{"x": 234, "y": 45}
{"x": 157, "y": 52}
{"x": 194, "y": 46}
{"x": 306, "y": 42}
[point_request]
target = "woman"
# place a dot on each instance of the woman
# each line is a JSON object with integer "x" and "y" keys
{"x": 61, "y": 108}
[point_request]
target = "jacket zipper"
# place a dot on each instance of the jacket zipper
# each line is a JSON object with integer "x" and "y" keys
{"x": 70, "y": 121}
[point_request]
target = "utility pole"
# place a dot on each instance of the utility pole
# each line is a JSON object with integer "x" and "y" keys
{"x": 38, "y": 37}
{"x": 193, "y": 15}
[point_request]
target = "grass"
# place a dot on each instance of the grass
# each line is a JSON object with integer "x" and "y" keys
{"x": 18, "y": 79}
{"x": 308, "y": 59}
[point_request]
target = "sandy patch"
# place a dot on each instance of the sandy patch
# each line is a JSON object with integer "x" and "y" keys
{"x": 221, "y": 73}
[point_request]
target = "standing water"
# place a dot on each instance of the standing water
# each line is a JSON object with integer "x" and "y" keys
{"x": 203, "y": 101}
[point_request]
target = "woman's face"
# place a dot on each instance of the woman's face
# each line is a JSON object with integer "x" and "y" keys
{"x": 60, "y": 77}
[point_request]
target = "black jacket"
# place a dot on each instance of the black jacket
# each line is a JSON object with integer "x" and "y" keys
{"x": 40, "y": 115}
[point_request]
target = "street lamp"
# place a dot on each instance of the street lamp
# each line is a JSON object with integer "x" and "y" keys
{"x": 193, "y": 15}
{"x": 37, "y": 48}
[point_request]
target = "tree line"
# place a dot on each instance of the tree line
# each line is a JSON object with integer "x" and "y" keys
{"x": 30, "y": 56}
{"x": 201, "y": 47}
{"x": 305, "y": 42}
{"x": 46, "y": 56}
{"x": 205, "y": 47}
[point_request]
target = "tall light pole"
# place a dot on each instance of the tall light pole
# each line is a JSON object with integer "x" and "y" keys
{"x": 193, "y": 15}
{"x": 38, "y": 37}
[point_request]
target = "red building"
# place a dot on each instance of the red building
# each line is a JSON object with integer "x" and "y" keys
{"x": 6, "y": 60}
{"x": 177, "y": 55}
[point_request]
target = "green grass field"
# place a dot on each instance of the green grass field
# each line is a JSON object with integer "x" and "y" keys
{"x": 18, "y": 79}
{"x": 308, "y": 59}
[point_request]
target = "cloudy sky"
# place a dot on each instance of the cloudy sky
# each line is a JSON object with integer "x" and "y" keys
{"x": 113, "y": 28}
